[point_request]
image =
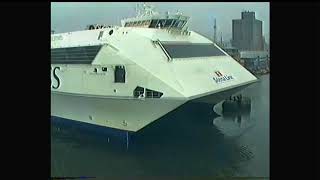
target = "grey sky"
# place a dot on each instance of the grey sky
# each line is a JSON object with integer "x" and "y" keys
{"x": 76, "y": 15}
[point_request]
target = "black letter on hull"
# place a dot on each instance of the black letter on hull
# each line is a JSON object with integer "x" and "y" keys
{"x": 56, "y": 77}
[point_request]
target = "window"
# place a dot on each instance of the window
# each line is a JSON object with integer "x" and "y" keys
{"x": 148, "y": 93}
{"x": 138, "y": 92}
{"x": 161, "y": 23}
{"x": 110, "y": 32}
{"x": 119, "y": 74}
{"x": 153, "y": 23}
{"x": 168, "y": 23}
{"x": 184, "y": 23}
{"x": 156, "y": 94}
{"x": 180, "y": 24}
{"x": 135, "y": 23}
{"x": 100, "y": 34}
{"x": 74, "y": 55}
{"x": 175, "y": 24}
{"x": 147, "y": 23}
{"x": 91, "y": 27}
{"x": 185, "y": 50}
{"x": 153, "y": 94}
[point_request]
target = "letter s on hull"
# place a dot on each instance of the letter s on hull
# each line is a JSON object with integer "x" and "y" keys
{"x": 56, "y": 78}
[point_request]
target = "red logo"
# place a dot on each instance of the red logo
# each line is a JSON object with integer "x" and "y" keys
{"x": 218, "y": 73}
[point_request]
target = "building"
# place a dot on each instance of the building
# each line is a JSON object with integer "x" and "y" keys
{"x": 247, "y": 32}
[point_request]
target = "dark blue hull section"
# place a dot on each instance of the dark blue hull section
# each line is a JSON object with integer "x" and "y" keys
{"x": 62, "y": 126}
{"x": 182, "y": 123}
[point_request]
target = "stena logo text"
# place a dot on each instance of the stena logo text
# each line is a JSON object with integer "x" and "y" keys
{"x": 220, "y": 78}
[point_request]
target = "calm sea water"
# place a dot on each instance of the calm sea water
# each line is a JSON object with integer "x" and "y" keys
{"x": 192, "y": 141}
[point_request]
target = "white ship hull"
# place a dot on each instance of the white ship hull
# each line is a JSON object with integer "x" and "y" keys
{"x": 127, "y": 114}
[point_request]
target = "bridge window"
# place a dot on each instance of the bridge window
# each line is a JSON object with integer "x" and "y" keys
{"x": 135, "y": 23}
{"x": 130, "y": 24}
{"x": 161, "y": 23}
{"x": 175, "y": 24}
{"x": 168, "y": 22}
{"x": 147, "y": 23}
{"x": 119, "y": 74}
{"x": 153, "y": 23}
{"x": 184, "y": 23}
{"x": 180, "y": 24}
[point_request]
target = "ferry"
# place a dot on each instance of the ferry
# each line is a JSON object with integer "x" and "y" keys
{"x": 126, "y": 77}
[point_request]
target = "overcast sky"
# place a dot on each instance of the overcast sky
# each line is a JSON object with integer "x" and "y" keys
{"x": 74, "y": 16}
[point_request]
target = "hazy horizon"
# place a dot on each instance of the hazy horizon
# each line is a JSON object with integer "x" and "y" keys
{"x": 73, "y": 16}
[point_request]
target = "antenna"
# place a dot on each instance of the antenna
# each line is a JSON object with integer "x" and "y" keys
{"x": 214, "y": 31}
{"x": 136, "y": 8}
{"x": 146, "y": 10}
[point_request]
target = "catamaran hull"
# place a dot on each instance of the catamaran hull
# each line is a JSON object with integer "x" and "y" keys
{"x": 123, "y": 114}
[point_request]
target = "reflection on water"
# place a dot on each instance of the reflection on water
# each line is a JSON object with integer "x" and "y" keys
{"x": 234, "y": 119}
{"x": 191, "y": 141}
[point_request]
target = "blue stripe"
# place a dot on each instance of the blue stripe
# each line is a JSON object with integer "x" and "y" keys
{"x": 87, "y": 128}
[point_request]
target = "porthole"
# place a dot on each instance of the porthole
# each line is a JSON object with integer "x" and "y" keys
{"x": 110, "y": 32}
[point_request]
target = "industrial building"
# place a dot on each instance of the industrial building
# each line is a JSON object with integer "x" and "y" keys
{"x": 247, "y": 32}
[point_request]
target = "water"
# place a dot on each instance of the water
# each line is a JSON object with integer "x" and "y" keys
{"x": 192, "y": 141}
